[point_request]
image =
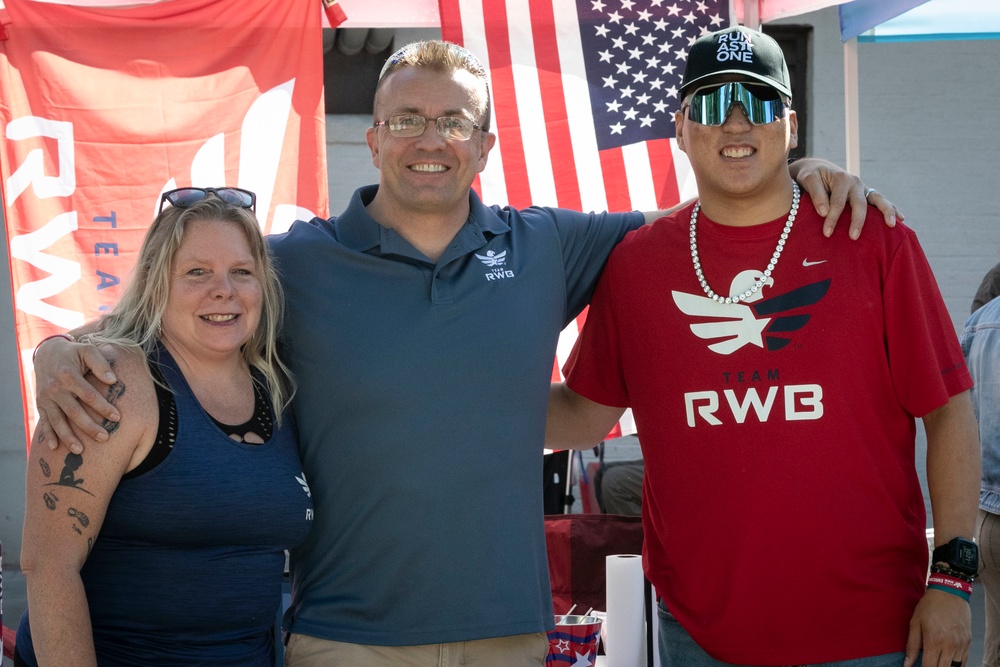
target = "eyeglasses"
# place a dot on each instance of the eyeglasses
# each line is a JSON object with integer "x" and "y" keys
{"x": 711, "y": 105}
{"x": 453, "y": 128}
{"x": 188, "y": 197}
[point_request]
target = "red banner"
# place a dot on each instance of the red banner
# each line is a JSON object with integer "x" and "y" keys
{"x": 103, "y": 109}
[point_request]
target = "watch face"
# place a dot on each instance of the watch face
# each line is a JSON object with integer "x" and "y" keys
{"x": 968, "y": 556}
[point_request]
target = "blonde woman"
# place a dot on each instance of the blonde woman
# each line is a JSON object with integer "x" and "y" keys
{"x": 165, "y": 545}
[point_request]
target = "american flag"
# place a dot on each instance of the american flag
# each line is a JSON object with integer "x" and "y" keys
{"x": 583, "y": 97}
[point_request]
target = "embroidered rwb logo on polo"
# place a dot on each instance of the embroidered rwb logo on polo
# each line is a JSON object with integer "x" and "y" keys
{"x": 734, "y": 46}
{"x": 497, "y": 263}
{"x": 766, "y": 323}
{"x": 491, "y": 258}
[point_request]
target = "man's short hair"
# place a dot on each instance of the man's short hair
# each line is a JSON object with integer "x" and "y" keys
{"x": 439, "y": 56}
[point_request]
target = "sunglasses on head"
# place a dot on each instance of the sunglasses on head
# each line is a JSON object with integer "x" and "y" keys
{"x": 711, "y": 105}
{"x": 188, "y": 197}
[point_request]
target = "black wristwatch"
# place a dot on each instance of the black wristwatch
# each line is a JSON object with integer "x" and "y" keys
{"x": 960, "y": 554}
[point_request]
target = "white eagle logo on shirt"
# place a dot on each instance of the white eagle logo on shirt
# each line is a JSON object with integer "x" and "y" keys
{"x": 493, "y": 259}
{"x": 761, "y": 324}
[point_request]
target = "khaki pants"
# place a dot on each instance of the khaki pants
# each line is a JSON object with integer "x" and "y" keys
{"x": 988, "y": 539}
{"x": 515, "y": 651}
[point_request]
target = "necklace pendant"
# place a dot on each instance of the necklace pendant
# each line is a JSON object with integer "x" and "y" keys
{"x": 766, "y": 274}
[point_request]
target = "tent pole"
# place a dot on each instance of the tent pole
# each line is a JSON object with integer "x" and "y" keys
{"x": 851, "y": 107}
{"x": 751, "y": 14}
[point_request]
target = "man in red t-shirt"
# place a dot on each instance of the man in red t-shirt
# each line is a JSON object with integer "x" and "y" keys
{"x": 775, "y": 376}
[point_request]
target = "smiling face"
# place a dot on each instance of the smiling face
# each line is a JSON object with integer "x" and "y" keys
{"x": 738, "y": 158}
{"x": 427, "y": 174}
{"x": 215, "y": 297}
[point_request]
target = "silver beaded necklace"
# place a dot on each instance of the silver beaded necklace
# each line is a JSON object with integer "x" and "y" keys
{"x": 759, "y": 282}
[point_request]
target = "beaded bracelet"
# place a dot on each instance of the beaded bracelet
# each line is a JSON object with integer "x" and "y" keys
{"x": 58, "y": 335}
{"x": 939, "y": 568}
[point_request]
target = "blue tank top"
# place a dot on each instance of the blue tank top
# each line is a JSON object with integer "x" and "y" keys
{"x": 187, "y": 568}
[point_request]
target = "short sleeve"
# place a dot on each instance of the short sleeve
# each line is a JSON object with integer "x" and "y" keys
{"x": 586, "y": 241}
{"x": 925, "y": 357}
{"x": 594, "y": 368}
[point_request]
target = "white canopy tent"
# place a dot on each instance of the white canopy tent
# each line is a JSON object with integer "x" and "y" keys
{"x": 882, "y": 21}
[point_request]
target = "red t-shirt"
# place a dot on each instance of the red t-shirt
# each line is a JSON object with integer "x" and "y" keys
{"x": 784, "y": 520}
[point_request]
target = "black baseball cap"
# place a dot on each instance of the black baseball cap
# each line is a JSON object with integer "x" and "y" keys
{"x": 738, "y": 50}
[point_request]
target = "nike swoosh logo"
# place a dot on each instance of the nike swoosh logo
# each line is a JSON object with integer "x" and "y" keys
{"x": 806, "y": 262}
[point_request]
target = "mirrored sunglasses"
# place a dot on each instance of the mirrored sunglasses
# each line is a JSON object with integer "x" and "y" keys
{"x": 455, "y": 128}
{"x": 711, "y": 105}
{"x": 187, "y": 197}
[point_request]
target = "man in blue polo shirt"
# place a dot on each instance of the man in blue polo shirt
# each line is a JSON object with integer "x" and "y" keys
{"x": 421, "y": 328}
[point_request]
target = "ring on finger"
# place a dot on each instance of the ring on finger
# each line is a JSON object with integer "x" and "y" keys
{"x": 868, "y": 191}
{"x": 956, "y": 663}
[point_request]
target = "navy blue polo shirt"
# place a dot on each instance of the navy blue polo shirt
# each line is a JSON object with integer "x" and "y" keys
{"x": 422, "y": 391}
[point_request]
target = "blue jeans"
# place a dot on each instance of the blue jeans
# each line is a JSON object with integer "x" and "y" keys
{"x": 677, "y": 649}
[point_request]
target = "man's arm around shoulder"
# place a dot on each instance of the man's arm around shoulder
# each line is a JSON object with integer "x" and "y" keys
{"x": 62, "y": 391}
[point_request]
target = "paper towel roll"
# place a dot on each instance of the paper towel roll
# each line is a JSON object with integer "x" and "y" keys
{"x": 626, "y": 626}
